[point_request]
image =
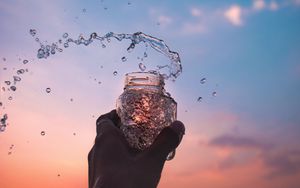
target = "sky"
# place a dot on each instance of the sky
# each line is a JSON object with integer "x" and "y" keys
{"x": 247, "y": 135}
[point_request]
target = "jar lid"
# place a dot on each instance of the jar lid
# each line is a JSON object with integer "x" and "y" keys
{"x": 144, "y": 79}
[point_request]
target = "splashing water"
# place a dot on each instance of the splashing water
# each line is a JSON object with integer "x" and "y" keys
{"x": 175, "y": 67}
{"x": 3, "y": 123}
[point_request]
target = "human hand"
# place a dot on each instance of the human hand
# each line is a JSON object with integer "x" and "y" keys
{"x": 114, "y": 164}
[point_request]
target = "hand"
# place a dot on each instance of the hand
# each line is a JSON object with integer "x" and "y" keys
{"x": 113, "y": 164}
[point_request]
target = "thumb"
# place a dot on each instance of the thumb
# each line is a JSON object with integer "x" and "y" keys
{"x": 168, "y": 139}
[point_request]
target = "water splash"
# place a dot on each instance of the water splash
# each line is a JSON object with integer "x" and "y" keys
{"x": 174, "y": 67}
{"x": 3, "y": 122}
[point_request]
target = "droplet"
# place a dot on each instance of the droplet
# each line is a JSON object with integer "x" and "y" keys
{"x": 199, "y": 99}
{"x": 17, "y": 78}
{"x": 99, "y": 82}
{"x": 115, "y": 73}
{"x": 124, "y": 59}
{"x": 58, "y": 175}
{"x": 93, "y": 35}
{"x": 7, "y": 82}
{"x": 74, "y": 134}
{"x": 145, "y": 54}
{"x": 105, "y": 8}
{"x": 129, "y": 3}
{"x": 142, "y": 67}
{"x": 203, "y": 80}
{"x": 48, "y": 89}
{"x": 84, "y": 10}
{"x": 71, "y": 99}
{"x": 65, "y": 35}
{"x": 4, "y": 68}
{"x": 43, "y": 133}
{"x": 214, "y": 94}
{"x": 1, "y": 103}
{"x": 37, "y": 39}
{"x": 103, "y": 46}
{"x": 20, "y": 71}
{"x": 59, "y": 41}
{"x": 32, "y": 32}
{"x": 10, "y": 98}
{"x": 4, "y": 59}
{"x": 13, "y": 88}
{"x": 66, "y": 45}
{"x": 9, "y": 153}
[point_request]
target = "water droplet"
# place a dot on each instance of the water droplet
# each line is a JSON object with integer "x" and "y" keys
{"x": 214, "y": 94}
{"x": 48, "y": 89}
{"x": 65, "y": 35}
{"x": 4, "y": 68}
{"x": 203, "y": 80}
{"x": 7, "y": 82}
{"x": 37, "y": 39}
{"x": 115, "y": 73}
{"x": 13, "y": 88}
{"x": 32, "y": 32}
{"x": 9, "y": 153}
{"x": 99, "y": 82}
{"x": 74, "y": 134}
{"x": 66, "y": 45}
{"x": 20, "y": 71}
{"x": 3, "y": 88}
{"x": 105, "y": 8}
{"x": 1, "y": 103}
{"x": 199, "y": 99}
{"x": 129, "y": 3}
{"x": 142, "y": 67}
{"x": 103, "y": 46}
{"x": 10, "y": 98}
{"x": 93, "y": 35}
{"x": 71, "y": 99}
{"x": 101, "y": 67}
{"x": 17, "y": 78}
{"x": 43, "y": 133}
{"x": 145, "y": 54}
{"x": 84, "y": 10}
{"x": 124, "y": 59}
{"x": 58, "y": 175}
{"x": 4, "y": 59}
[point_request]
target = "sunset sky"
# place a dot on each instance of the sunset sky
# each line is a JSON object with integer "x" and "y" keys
{"x": 248, "y": 135}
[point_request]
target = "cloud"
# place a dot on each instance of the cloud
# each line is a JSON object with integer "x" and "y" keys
{"x": 296, "y": 2}
{"x": 196, "y": 12}
{"x": 237, "y": 142}
{"x": 164, "y": 20}
{"x": 273, "y": 6}
{"x": 234, "y": 15}
{"x": 259, "y": 4}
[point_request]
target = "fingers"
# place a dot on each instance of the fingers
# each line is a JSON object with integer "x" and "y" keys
{"x": 169, "y": 138}
{"x": 112, "y": 116}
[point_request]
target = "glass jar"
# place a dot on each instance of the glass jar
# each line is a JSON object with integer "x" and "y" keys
{"x": 145, "y": 108}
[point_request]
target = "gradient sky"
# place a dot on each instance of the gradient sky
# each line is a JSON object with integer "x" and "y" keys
{"x": 249, "y": 52}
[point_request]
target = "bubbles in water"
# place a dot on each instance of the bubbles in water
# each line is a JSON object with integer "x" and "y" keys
{"x": 10, "y": 98}
{"x": 124, "y": 59}
{"x": 199, "y": 99}
{"x": 32, "y": 32}
{"x": 214, "y": 94}
{"x": 13, "y": 88}
{"x": 20, "y": 71}
{"x": 43, "y": 133}
{"x": 65, "y": 35}
{"x": 7, "y": 82}
{"x": 48, "y": 89}
{"x": 115, "y": 73}
{"x": 142, "y": 67}
{"x": 203, "y": 80}
{"x": 25, "y": 61}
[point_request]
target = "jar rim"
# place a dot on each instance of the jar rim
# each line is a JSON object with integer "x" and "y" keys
{"x": 144, "y": 79}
